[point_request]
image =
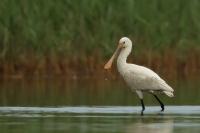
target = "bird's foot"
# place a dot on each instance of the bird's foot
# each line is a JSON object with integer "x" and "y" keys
{"x": 162, "y": 108}
{"x": 142, "y": 113}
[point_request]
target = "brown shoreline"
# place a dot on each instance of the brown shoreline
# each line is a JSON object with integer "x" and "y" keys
{"x": 167, "y": 63}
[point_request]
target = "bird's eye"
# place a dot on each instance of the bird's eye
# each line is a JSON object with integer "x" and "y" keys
{"x": 124, "y": 42}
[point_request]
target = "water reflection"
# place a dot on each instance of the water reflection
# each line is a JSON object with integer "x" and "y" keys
{"x": 61, "y": 92}
{"x": 99, "y": 119}
{"x": 151, "y": 126}
{"x": 99, "y": 106}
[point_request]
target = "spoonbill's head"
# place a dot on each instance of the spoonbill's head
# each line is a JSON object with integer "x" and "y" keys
{"x": 124, "y": 43}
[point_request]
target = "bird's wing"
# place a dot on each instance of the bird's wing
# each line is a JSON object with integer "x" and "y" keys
{"x": 145, "y": 79}
{"x": 159, "y": 84}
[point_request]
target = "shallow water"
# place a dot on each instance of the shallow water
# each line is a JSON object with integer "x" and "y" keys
{"x": 97, "y": 107}
{"x": 100, "y": 119}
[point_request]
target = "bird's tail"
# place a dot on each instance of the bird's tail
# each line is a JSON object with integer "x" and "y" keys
{"x": 169, "y": 93}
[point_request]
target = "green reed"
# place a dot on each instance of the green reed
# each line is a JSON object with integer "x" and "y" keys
{"x": 71, "y": 27}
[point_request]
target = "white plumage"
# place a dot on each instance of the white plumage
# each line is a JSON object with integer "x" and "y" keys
{"x": 138, "y": 78}
{"x": 143, "y": 79}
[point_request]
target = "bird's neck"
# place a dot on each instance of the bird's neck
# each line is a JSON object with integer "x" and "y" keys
{"x": 121, "y": 60}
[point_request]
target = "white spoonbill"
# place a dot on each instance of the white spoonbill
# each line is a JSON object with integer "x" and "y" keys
{"x": 140, "y": 79}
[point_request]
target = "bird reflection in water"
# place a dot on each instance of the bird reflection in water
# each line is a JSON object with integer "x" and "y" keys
{"x": 151, "y": 126}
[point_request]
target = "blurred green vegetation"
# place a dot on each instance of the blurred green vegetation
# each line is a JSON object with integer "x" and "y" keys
{"x": 73, "y": 27}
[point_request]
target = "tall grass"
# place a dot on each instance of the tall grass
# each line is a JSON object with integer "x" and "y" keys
{"x": 71, "y": 27}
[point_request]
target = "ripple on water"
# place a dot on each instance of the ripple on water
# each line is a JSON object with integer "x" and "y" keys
{"x": 97, "y": 110}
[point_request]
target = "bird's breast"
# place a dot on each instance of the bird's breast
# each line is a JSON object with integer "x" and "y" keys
{"x": 121, "y": 69}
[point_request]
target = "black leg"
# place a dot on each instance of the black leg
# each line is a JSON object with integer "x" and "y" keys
{"x": 143, "y": 107}
{"x": 161, "y": 104}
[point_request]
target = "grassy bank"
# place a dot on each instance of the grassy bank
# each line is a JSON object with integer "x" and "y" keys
{"x": 39, "y": 36}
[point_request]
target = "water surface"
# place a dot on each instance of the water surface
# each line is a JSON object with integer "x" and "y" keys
{"x": 94, "y": 107}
